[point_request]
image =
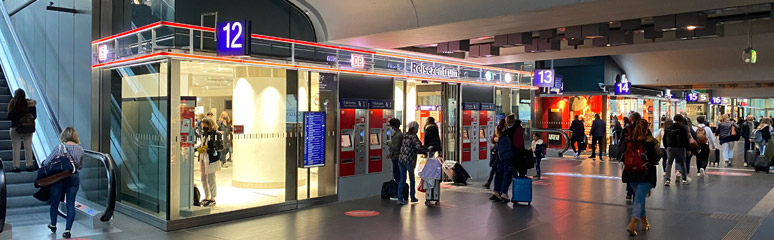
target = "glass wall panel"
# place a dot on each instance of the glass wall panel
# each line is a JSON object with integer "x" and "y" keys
{"x": 251, "y": 109}
{"x": 138, "y": 135}
{"x": 316, "y": 181}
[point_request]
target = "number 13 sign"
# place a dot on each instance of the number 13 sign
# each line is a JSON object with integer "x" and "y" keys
{"x": 543, "y": 78}
{"x": 233, "y": 38}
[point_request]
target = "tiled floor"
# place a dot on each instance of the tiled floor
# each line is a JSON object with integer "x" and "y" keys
{"x": 580, "y": 200}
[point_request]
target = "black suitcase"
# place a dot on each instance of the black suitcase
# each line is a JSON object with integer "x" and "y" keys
{"x": 460, "y": 175}
{"x": 761, "y": 164}
{"x": 751, "y": 157}
{"x": 612, "y": 151}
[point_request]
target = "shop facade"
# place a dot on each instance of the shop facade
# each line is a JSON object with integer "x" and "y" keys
{"x": 303, "y": 123}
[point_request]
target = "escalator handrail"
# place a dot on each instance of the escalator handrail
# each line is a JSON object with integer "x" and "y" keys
{"x": 110, "y": 168}
{"x": 3, "y": 197}
{"x": 559, "y": 131}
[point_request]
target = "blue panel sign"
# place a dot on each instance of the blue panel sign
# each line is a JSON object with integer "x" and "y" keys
{"x": 314, "y": 139}
{"x": 558, "y": 81}
{"x": 470, "y": 106}
{"x": 692, "y": 97}
{"x": 716, "y": 100}
{"x": 498, "y": 117}
{"x": 487, "y": 107}
{"x": 623, "y": 88}
{"x": 381, "y": 104}
{"x": 354, "y": 103}
{"x": 543, "y": 78}
{"x": 233, "y": 38}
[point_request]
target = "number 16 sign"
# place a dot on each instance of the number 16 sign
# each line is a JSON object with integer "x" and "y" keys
{"x": 233, "y": 38}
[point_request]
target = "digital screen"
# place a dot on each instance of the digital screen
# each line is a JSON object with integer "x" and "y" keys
{"x": 374, "y": 139}
{"x": 362, "y": 136}
{"x": 482, "y": 134}
{"x": 346, "y": 141}
{"x": 465, "y": 134}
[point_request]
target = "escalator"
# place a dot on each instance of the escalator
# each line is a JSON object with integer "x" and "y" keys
{"x": 96, "y": 198}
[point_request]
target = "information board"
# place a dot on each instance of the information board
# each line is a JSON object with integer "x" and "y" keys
{"x": 692, "y": 97}
{"x": 543, "y": 78}
{"x": 623, "y": 88}
{"x": 314, "y": 139}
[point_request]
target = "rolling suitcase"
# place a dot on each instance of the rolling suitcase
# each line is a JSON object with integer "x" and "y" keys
{"x": 522, "y": 190}
{"x": 460, "y": 176}
{"x": 751, "y": 156}
{"x": 433, "y": 191}
{"x": 762, "y": 163}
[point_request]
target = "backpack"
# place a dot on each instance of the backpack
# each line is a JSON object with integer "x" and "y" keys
{"x": 25, "y": 124}
{"x": 635, "y": 160}
{"x": 757, "y": 137}
{"x": 505, "y": 148}
{"x": 701, "y": 135}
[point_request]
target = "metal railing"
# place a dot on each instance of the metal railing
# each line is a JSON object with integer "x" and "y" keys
{"x": 20, "y": 75}
{"x": 190, "y": 41}
{"x": 561, "y": 132}
{"x": 3, "y": 197}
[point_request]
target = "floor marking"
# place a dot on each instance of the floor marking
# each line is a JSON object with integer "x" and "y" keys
{"x": 746, "y": 229}
{"x": 582, "y": 175}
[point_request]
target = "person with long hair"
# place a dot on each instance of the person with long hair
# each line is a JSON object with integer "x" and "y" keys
{"x": 501, "y": 126}
{"x": 209, "y": 157}
{"x": 432, "y": 137}
{"x": 225, "y": 128}
{"x": 69, "y": 147}
{"x": 725, "y": 137}
{"x": 22, "y": 114}
{"x": 638, "y": 135}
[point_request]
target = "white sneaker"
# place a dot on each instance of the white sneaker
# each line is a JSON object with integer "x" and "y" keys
{"x": 687, "y": 181}
{"x": 702, "y": 173}
{"x": 666, "y": 183}
{"x": 394, "y": 199}
{"x": 745, "y": 164}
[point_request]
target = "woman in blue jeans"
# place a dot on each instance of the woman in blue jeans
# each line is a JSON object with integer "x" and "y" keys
{"x": 639, "y": 179}
{"x": 408, "y": 160}
{"x": 69, "y": 186}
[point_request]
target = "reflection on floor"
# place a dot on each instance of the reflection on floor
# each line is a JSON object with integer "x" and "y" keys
{"x": 230, "y": 198}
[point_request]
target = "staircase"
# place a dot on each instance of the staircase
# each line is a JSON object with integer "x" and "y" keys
{"x": 19, "y": 185}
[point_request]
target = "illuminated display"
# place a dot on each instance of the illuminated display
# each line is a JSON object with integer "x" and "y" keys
{"x": 715, "y": 100}
{"x": 421, "y": 68}
{"x": 358, "y": 61}
{"x": 543, "y": 78}
{"x": 692, "y": 97}
{"x": 623, "y": 88}
{"x": 231, "y": 38}
{"x": 103, "y": 53}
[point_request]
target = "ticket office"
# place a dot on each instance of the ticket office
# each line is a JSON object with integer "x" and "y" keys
{"x": 258, "y": 112}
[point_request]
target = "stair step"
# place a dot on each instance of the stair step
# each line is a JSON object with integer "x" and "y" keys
{"x": 5, "y": 98}
{"x": 20, "y": 178}
{"x": 5, "y": 134}
{"x": 21, "y": 189}
{"x": 8, "y": 166}
{"x": 5, "y": 124}
{"x": 7, "y": 155}
{"x": 27, "y": 210}
{"x": 24, "y": 201}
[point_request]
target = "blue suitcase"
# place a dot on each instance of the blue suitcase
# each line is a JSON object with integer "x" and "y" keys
{"x": 522, "y": 190}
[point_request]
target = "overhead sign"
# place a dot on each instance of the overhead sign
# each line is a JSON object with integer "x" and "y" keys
{"x": 102, "y": 52}
{"x": 470, "y": 106}
{"x": 692, "y": 97}
{"x": 725, "y": 101}
{"x": 715, "y": 100}
{"x": 233, "y": 38}
{"x": 704, "y": 97}
{"x": 380, "y": 104}
{"x": 421, "y": 68}
{"x": 543, "y": 78}
{"x": 623, "y": 88}
{"x": 314, "y": 139}
{"x": 488, "y": 107}
{"x": 358, "y": 61}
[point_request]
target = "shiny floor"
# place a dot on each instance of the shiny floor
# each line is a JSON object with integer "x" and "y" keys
{"x": 577, "y": 199}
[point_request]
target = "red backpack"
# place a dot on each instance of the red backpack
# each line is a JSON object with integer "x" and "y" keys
{"x": 634, "y": 158}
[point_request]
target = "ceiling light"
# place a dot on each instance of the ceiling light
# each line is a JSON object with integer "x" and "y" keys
{"x": 219, "y": 69}
{"x": 507, "y": 77}
{"x": 205, "y": 71}
{"x": 691, "y": 27}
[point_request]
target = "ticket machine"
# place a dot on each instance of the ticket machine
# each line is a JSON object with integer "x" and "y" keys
{"x": 470, "y": 135}
{"x": 379, "y": 115}
{"x": 353, "y": 149}
{"x": 486, "y": 125}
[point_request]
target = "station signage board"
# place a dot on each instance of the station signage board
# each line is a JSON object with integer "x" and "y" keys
{"x": 692, "y": 97}
{"x": 623, "y": 88}
{"x": 543, "y": 78}
{"x": 233, "y": 38}
{"x": 716, "y": 100}
{"x": 314, "y": 139}
{"x": 704, "y": 97}
{"x": 357, "y": 61}
{"x": 429, "y": 69}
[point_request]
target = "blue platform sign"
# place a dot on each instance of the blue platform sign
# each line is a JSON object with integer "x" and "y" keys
{"x": 716, "y": 100}
{"x": 354, "y": 103}
{"x": 543, "y": 78}
{"x": 623, "y": 88}
{"x": 233, "y": 38}
{"x": 314, "y": 139}
{"x": 470, "y": 106}
{"x": 487, "y": 107}
{"x": 692, "y": 97}
{"x": 380, "y": 104}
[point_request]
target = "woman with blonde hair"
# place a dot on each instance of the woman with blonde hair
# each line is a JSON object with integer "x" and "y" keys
{"x": 68, "y": 186}
{"x": 209, "y": 157}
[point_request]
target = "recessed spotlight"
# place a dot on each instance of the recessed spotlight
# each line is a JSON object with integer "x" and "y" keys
{"x": 690, "y": 28}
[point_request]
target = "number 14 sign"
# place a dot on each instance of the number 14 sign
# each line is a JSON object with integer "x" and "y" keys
{"x": 233, "y": 38}
{"x": 622, "y": 88}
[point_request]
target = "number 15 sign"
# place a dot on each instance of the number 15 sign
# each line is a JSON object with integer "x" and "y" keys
{"x": 233, "y": 38}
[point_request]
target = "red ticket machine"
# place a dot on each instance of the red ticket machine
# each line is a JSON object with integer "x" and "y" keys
{"x": 352, "y": 131}
{"x": 486, "y": 127}
{"x": 470, "y": 132}
{"x": 379, "y": 115}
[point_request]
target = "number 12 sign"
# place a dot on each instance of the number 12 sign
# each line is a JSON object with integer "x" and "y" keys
{"x": 233, "y": 38}
{"x": 622, "y": 88}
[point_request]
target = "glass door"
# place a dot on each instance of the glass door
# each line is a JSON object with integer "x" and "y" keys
{"x": 450, "y": 95}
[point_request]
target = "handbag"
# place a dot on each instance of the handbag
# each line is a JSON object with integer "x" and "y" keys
{"x": 58, "y": 168}
{"x": 733, "y": 130}
{"x": 421, "y": 186}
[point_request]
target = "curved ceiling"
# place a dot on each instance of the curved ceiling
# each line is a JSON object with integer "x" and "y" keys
{"x": 403, "y": 23}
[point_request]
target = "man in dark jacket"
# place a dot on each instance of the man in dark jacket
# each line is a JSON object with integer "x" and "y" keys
{"x": 748, "y": 127}
{"x": 577, "y": 135}
{"x": 597, "y": 135}
{"x": 432, "y": 137}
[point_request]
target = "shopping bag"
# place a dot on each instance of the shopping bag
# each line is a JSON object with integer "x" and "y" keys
{"x": 421, "y": 185}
